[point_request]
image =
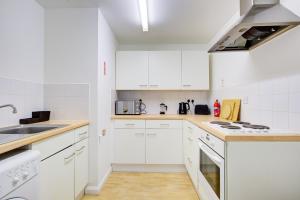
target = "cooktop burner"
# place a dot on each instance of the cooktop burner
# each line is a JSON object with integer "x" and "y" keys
{"x": 231, "y": 127}
{"x": 242, "y": 123}
{"x": 220, "y": 123}
{"x": 255, "y": 126}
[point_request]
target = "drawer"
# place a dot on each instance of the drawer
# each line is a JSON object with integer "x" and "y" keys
{"x": 54, "y": 144}
{"x": 81, "y": 133}
{"x": 164, "y": 124}
{"x": 129, "y": 124}
{"x": 212, "y": 141}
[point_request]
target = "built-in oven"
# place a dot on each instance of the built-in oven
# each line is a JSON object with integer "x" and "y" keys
{"x": 212, "y": 172}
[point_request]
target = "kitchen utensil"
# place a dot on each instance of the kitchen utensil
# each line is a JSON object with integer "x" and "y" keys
{"x": 163, "y": 109}
{"x": 183, "y": 108}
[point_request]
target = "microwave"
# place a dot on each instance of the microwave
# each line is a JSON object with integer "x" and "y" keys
{"x": 130, "y": 107}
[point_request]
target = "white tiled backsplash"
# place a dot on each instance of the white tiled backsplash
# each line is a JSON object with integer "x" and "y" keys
{"x": 67, "y": 101}
{"x": 26, "y": 96}
{"x": 271, "y": 102}
{"x": 153, "y": 99}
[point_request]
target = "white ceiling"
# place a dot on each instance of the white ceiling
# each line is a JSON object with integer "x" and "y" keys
{"x": 170, "y": 21}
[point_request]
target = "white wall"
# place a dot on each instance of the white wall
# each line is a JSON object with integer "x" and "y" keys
{"x": 267, "y": 77}
{"x": 21, "y": 58}
{"x": 78, "y": 42}
{"x": 106, "y": 94}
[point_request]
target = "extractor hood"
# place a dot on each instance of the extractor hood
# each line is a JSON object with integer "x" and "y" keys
{"x": 257, "y": 22}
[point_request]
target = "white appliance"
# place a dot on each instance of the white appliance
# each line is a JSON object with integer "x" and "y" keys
{"x": 242, "y": 128}
{"x": 19, "y": 175}
{"x": 211, "y": 168}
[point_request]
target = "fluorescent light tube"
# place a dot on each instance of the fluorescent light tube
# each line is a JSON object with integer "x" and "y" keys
{"x": 144, "y": 14}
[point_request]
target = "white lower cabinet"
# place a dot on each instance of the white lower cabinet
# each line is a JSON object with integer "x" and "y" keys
{"x": 164, "y": 146}
{"x": 81, "y": 166}
{"x": 64, "y": 166}
{"x": 57, "y": 176}
{"x": 157, "y": 142}
{"x": 191, "y": 151}
{"x": 129, "y": 146}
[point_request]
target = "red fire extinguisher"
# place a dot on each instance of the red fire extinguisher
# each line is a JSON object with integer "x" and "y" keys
{"x": 217, "y": 108}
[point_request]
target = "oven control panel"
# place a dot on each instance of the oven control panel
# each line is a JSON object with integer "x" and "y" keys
{"x": 213, "y": 142}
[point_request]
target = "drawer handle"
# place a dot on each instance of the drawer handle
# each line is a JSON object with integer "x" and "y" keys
{"x": 83, "y": 133}
{"x": 129, "y": 124}
{"x": 139, "y": 133}
{"x": 151, "y": 134}
{"x": 143, "y": 85}
{"x": 154, "y": 85}
{"x": 166, "y": 125}
{"x": 83, "y": 147}
{"x": 187, "y": 85}
{"x": 69, "y": 157}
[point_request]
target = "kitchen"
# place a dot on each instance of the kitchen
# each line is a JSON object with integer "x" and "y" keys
{"x": 90, "y": 62}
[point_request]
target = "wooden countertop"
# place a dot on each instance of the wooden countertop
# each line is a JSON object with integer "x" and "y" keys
{"x": 199, "y": 119}
{"x": 47, "y": 134}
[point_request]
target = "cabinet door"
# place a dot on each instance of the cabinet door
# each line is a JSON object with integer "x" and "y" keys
{"x": 129, "y": 146}
{"x": 164, "y": 70}
{"x": 164, "y": 146}
{"x": 195, "y": 70}
{"x": 132, "y": 70}
{"x": 81, "y": 166}
{"x": 57, "y": 176}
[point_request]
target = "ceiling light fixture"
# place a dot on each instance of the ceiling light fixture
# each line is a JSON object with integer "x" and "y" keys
{"x": 144, "y": 14}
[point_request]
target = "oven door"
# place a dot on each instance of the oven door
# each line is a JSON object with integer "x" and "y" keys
{"x": 211, "y": 176}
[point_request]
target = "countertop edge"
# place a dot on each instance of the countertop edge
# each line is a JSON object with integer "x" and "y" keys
{"x": 45, "y": 135}
{"x": 197, "y": 121}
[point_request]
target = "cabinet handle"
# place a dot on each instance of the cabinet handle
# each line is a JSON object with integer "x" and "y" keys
{"x": 129, "y": 124}
{"x": 83, "y": 133}
{"x": 69, "y": 157}
{"x": 165, "y": 125}
{"x": 154, "y": 85}
{"x": 139, "y": 134}
{"x": 187, "y": 85}
{"x": 83, "y": 147}
{"x": 190, "y": 161}
{"x": 151, "y": 134}
{"x": 143, "y": 85}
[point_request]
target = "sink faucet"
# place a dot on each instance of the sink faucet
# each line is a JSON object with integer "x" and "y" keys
{"x": 10, "y": 105}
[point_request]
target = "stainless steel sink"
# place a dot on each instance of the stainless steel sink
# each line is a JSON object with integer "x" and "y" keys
{"x": 13, "y": 133}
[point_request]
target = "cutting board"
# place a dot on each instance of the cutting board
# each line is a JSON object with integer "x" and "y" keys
{"x": 230, "y": 109}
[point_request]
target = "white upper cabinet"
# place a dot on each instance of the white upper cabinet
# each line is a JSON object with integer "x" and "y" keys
{"x": 164, "y": 69}
{"x": 132, "y": 70}
{"x": 195, "y": 70}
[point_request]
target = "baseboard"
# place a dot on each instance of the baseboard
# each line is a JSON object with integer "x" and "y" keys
{"x": 95, "y": 189}
{"x": 148, "y": 168}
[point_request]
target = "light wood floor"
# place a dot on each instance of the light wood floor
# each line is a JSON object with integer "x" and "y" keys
{"x": 147, "y": 186}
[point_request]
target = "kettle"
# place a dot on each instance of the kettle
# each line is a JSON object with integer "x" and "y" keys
{"x": 183, "y": 108}
{"x": 163, "y": 108}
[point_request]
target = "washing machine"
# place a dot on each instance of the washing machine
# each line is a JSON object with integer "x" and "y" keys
{"x": 19, "y": 178}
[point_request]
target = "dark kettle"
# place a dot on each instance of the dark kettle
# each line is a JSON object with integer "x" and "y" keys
{"x": 183, "y": 108}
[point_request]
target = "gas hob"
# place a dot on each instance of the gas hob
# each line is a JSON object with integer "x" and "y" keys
{"x": 245, "y": 128}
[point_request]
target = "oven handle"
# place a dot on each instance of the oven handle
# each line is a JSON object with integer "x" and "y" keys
{"x": 214, "y": 158}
